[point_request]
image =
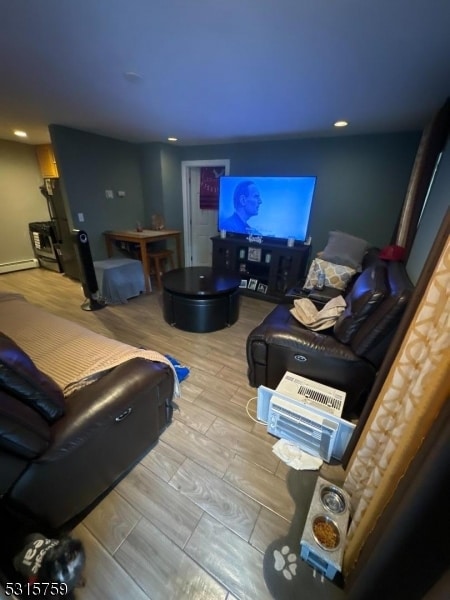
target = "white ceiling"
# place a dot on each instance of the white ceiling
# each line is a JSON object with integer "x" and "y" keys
{"x": 221, "y": 70}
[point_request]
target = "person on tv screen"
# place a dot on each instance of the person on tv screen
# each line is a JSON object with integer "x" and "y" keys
{"x": 246, "y": 200}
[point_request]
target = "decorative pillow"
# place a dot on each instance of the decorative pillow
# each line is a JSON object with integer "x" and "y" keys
{"x": 345, "y": 249}
{"x": 336, "y": 276}
{"x": 20, "y": 377}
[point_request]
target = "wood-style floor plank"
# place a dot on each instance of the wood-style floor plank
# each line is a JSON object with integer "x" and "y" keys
{"x": 219, "y": 403}
{"x": 192, "y": 416}
{"x": 105, "y": 578}
{"x": 269, "y": 527}
{"x": 112, "y": 520}
{"x": 245, "y": 396}
{"x": 163, "y": 461}
{"x": 215, "y": 386}
{"x": 162, "y": 569}
{"x": 243, "y": 443}
{"x": 175, "y": 515}
{"x": 222, "y": 501}
{"x": 204, "y": 451}
{"x": 261, "y": 485}
{"x": 230, "y": 560}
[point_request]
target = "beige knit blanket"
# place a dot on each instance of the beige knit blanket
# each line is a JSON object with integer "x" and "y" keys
{"x": 69, "y": 353}
{"x": 305, "y": 311}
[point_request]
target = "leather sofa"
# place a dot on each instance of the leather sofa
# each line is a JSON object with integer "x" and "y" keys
{"x": 346, "y": 356}
{"x": 60, "y": 454}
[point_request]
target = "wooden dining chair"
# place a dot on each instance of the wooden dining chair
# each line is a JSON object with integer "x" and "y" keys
{"x": 158, "y": 261}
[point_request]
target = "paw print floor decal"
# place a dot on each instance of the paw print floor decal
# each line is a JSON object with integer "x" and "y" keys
{"x": 286, "y": 562}
{"x": 286, "y": 575}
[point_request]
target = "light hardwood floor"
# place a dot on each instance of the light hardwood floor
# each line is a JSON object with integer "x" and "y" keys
{"x": 193, "y": 519}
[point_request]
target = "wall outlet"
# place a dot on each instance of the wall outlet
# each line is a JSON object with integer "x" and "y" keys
{"x": 81, "y": 217}
{"x": 109, "y": 194}
{"x": 121, "y": 193}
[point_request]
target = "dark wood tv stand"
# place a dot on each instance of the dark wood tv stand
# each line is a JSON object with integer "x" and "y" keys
{"x": 269, "y": 268}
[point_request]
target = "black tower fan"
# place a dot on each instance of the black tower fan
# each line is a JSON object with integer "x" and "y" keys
{"x": 87, "y": 270}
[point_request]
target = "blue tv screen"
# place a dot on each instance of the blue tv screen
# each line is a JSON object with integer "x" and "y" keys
{"x": 273, "y": 207}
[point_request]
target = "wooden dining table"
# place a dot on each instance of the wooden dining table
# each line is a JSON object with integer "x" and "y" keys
{"x": 144, "y": 238}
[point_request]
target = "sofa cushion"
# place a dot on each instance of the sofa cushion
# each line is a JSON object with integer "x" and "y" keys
{"x": 20, "y": 377}
{"x": 345, "y": 249}
{"x": 368, "y": 291}
{"x": 336, "y": 276}
{"x": 22, "y": 430}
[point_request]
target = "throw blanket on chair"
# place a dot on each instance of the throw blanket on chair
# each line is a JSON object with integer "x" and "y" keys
{"x": 316, "y": 320}
{"x": 71, "y": 354}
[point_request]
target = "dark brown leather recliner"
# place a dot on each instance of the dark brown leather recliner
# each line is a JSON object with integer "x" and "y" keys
{"x": 345, "y": 357}
{"x": 54, "y": 470}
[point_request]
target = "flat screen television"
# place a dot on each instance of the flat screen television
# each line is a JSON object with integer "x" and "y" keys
{"x": 272, "y": 207}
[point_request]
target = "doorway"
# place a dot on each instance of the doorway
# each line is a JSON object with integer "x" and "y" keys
{"x": 199, "y": 224}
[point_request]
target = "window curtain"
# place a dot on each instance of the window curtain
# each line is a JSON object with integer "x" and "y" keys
{"x": 209, "y": 187}
{"x": 410, "y": 401}
{"x": 431, "y": 145}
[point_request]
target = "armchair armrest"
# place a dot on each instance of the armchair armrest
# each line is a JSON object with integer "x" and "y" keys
{"x": 108, "y": 427}
{"x": 107, "y": 402}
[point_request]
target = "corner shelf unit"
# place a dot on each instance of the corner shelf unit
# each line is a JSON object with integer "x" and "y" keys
{"x": 267, "y": 270}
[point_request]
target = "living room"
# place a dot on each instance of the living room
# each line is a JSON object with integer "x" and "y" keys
{"x": 362, "y": 180}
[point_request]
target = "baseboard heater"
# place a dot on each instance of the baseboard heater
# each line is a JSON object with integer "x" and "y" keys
{"x": 19, "y": 265}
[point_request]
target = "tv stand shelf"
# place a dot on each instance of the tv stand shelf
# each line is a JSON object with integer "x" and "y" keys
{"x": 266, "y": 270}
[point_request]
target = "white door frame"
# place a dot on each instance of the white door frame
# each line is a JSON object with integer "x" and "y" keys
{"x": 187, "y": 230}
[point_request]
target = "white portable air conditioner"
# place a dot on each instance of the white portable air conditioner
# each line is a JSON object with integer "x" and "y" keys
{"x": 317, "y": 431}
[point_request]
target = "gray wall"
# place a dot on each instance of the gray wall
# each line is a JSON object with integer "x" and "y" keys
{"x": 88, "y": 165}
{"x": 171, "y": 177}
{"x": 432, "y": 217}
{"x": 361, "y": 180}
{"x": 161, "y": 182}
{"x": 152, "y": 184}
{"x": 20, "y": 198}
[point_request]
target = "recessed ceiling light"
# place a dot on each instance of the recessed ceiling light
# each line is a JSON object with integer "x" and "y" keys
{"x": 341, "y": 124}
{"x": 172, "y": 139}
{"x": 20, "y": 133}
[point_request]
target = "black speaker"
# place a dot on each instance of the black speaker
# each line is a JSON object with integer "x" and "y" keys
{"x": 87, "y": 270}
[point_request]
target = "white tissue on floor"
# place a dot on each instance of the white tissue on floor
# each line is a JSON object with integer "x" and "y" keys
{"x": 296, "y": 458}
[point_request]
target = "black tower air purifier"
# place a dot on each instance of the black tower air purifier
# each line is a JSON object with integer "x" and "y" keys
{"x": 87, "y": 270}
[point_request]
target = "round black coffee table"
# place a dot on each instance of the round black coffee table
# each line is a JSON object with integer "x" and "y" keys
{"x": 200, "y": 299}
